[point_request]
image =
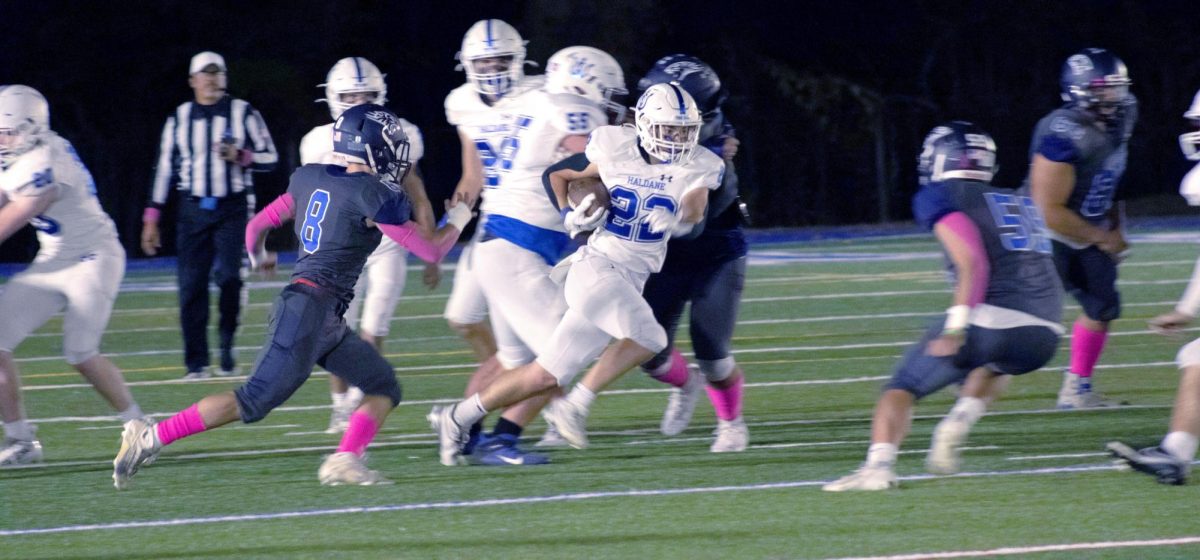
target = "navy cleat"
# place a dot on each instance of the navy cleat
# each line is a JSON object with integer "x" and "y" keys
{"x": 1154, "y": 461}
{"x": 502, "y": 451}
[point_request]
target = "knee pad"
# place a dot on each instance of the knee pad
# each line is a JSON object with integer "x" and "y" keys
{"x": 1189, "y": 355}
{"x": 384, "y": 384}
{"x": 717, "y": 370}
{"x": 513, "y": 356}
{"x": 651, "y": 337}
{"x": 76, "y": 357}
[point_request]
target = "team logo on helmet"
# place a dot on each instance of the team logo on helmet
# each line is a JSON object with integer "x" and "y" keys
{"x": 685, "y": 68}
{"x": 1080, "y": 63}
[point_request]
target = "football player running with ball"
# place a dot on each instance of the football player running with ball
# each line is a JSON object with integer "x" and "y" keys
{"x": 78, "y": 267}
{"x": 341, "y": 212}
{"x": 658, "y": 182}
{"x": 1004, "y": 319}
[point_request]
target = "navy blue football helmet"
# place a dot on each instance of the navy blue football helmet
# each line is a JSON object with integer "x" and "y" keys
{"x": 957, "y": 150}
{"x": 1096, "y": 80}
{"x": 371, "y": 135}
{"x": 693, "y": 75}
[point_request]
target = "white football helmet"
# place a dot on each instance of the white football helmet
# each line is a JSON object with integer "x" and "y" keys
{"x": 668, "y": 122}
{"x": 588, "y": 72}
{"x": 1190, "y": 141}
{"x": 24, "y": 119}
{"x": 353, "y": 74}
{"x": 487, "y": 39}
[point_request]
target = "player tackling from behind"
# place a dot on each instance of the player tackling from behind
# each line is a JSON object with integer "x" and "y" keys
{"x": 78, "y": 267}
{"x": 658, "y": 182}
{"x": 340, "y": 213}
{"x": 1007, "y": 304}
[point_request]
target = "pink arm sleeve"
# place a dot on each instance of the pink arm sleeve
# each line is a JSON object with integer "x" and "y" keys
{"x": 409, "y": 236}
{"x": 278, "y": 211}
{"x": 964, "y": 229}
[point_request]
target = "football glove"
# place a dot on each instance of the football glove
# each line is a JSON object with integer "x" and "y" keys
{"x": 576, "y": 220}
{"x": 662, "y": 220}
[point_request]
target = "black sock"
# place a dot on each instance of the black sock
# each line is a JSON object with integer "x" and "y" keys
{"x": 476, "y": 428}
{"x": 504, "y": 426}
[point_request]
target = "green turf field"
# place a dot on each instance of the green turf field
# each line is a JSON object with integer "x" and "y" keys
{"x": 821, "y": 324}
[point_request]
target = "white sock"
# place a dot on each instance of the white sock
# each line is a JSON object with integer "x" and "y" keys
{"x": 1181, "y": 445}
{"x": 581, "y": 396}
{"x": 968, "y": 410}
{"x": 469, "y": 411}
{"x": 18, "y": 430}
{"x": 132, "y": 413}
{"x": 339, "y": 399}
{"x": 882, "y": 455}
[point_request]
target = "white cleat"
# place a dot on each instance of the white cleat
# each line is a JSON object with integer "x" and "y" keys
{"x": 339, "y": 417}
{"x": 201, "y": 373}
{"x": 139, "y": 447}
{"x": 552, "y": 439}
{"x": 348, "y": 468}
{"x": 1076, "y": 393}
{"x": 864, "y": 479}
{"x": 944, "y": 449}
{"x": 451, "y": 436}
{"x": 569, "y": 420}
{"x": 732, "y": 436}
{"x": 682, "y": 403}
{"x": 15, "y": 452}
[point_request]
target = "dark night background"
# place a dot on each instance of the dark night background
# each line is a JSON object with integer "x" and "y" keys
{"x": 831, "y": 99}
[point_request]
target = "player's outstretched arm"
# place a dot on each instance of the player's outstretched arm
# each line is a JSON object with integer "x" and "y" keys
{"x": 274, "y": 215}
{"x": 21, "y": 208}
{"x": 431, "y": 248}
{"x": 960, "y": 238}
{"x": 471, "y": 183}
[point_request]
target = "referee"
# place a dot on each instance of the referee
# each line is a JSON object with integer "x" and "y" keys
{"x": 209, "y": 148}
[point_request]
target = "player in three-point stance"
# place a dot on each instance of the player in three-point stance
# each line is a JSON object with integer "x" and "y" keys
{"x": 658, "y": 182}
{"x": 341, "y": 214}
{"x": 78, "y": 267}
{"x": 1004, "y": 319}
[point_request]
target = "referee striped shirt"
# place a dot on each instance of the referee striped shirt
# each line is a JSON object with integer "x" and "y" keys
{"x": 188, "y": 150}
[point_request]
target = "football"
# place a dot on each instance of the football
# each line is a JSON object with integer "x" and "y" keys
{"x": 580, "y": 188}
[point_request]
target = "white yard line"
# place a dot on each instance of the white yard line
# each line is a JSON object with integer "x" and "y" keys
{"x": 1024, "y": 550}
{"x": 554, "y": 498}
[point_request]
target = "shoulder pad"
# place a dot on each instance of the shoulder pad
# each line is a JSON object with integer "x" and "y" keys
{"x": 461, "y": 101}
{"x": 30, "y": 174}
{"x": 572, "y": 114}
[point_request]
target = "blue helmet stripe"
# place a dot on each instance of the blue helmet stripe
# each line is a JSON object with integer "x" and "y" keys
{"x": 358, "y": 75}
{"x": 489, "y": 39}
{"x": 682, "y": 104}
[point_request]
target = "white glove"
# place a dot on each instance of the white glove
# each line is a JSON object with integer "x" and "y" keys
{"x": 576, "y": 221}
{"x": 663, "y": 220}
{"x": 263, "y": 262}
{"x": 459, "y": 215}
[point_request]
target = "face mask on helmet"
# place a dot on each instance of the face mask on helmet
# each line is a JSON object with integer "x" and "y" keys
{"x": 668, "y": 123}
{"x": 493, "y": 56}
{"x": 371, "y": 135}
{"x": 591, "y": 73}
{"x": 1097, "y": 81}
{"x": 1189, "y": 141}
{"x": 24, "y": 120}
{"x": 957, "y": 150}
{"x": 353, "y": 81}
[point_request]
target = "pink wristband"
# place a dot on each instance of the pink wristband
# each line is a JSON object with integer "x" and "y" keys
{"x": 245, "y": 158}
{"x": 151, "y": 215}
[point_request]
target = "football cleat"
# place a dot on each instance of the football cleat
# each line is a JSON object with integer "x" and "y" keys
{"x": 552, "y": 439}
{"x": 732, "y": 436}
{"x": 451, "y": 437}
{"x": 569, "y": 420}
{"x": 1077, "y": 393}
{"x": 944, "y": 449}
{"x": 864, "y": 479}
{"x": 339, "y": 417}
{"x": 15, "y": 452}
{"x": 348, "y": 468}
{"x": 201, "y": 373}
{"x": 501, "y": 451}
{"x": 1154, "y": 461}
{"x": 682, "y": 403}
{"x": 139, "y": 446}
